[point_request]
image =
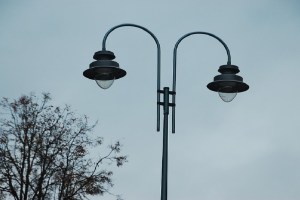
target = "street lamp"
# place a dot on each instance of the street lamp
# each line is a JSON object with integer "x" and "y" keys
{"x": 104, "y": 71}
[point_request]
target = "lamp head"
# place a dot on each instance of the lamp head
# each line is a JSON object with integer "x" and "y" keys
{"x": 228, "y": 84}
{"x": 104, "y": 70}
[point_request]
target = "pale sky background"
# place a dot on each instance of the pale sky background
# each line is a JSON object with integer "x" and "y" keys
{"x": 244, "y": 150}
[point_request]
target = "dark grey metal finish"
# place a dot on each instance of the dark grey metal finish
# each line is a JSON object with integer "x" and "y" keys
{"x": 104, "y": 55}
{"x": 104, "y": 68}
{"x": 104, "y": 73}
{"x": 164, "y": 177}
{"x": 227, "y": 78}
{"x": 228, "y": 69}
{"x": 158, "y": 60}
{"x": 165, "y": 103}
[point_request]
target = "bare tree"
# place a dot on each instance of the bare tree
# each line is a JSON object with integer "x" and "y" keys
{"x": 44, "y": 153}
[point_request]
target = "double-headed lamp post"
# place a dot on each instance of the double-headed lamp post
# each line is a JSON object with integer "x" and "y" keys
{"x": 104, "y": 71}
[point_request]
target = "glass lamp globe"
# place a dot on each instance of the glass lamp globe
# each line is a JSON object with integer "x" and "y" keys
{"x": 104, "y": 80}
{"x": 227, "y": 93}
{"x": 105, "y": 84}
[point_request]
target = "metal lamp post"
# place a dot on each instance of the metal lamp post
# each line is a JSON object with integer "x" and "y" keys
{"x": 104, "y": 71}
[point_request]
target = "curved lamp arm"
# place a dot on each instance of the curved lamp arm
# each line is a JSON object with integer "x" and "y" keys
{"x": 158, "y": 60}
{"x": 175, "y": 62}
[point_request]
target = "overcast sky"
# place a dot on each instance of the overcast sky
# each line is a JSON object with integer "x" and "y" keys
{"x": 244, "y": 150}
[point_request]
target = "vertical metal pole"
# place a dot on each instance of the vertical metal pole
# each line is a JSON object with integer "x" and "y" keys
{"x": 164, "y": 177}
